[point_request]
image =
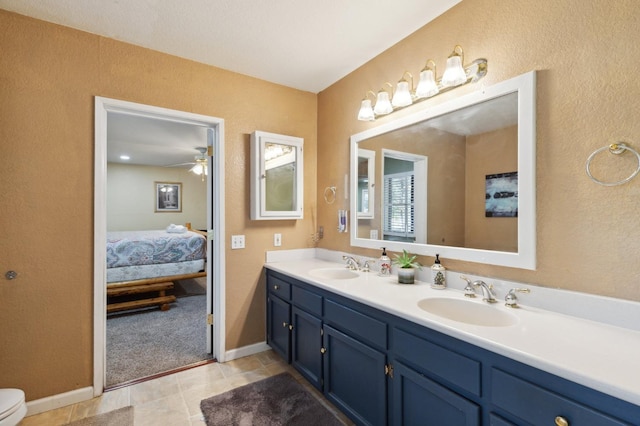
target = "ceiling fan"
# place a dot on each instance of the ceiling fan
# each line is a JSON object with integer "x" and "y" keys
{"x": 200, "y": 163}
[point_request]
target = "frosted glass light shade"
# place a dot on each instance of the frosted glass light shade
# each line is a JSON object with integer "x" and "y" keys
{"x": 454, "y": 74}
{"x": 402, "y": 95}
{"x": 383, "y": 104}
{"x": 199, "y": 169}
{"x": 427, "y": 85}
{"x": 366, "y": 111}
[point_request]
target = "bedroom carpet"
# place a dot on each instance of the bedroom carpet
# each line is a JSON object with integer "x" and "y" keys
{"x": 277, "y": 400}
{"x": 144, "y": 343}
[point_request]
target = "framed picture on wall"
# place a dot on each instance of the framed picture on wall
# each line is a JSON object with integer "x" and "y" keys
{"x": 168, "y": 197}
{"x": 501, "y": 195}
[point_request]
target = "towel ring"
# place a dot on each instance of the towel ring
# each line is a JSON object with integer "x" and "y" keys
{"x": 617, "y": 149}
{"x": 330, "y": 194}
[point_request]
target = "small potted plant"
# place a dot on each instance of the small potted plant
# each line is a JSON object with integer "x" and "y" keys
{"x": 407, "y": 266}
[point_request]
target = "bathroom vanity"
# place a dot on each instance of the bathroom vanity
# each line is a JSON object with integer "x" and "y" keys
{"x": 363, "y": 341}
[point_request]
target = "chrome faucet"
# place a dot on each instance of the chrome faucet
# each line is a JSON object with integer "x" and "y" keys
{"x": 351, "y": 263}
{"x": 487, "y": 291}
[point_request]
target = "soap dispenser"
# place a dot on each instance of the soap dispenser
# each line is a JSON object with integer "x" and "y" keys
{"x": 438, "y": 275}
{"x": 385, "y": 264}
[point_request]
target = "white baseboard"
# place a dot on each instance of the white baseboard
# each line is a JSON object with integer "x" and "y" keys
{"x": 246, "y": 351}
{"x": 72, "y": 397}
{"x": 38, "y": 406}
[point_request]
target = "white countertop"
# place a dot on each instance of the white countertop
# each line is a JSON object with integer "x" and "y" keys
{"x": 600, "y": 356}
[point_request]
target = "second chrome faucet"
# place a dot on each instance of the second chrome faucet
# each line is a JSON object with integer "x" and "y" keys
{"x": 486, "y": 289}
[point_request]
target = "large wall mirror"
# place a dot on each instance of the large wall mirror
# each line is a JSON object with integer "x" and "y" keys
{"x": 456, "y": 179}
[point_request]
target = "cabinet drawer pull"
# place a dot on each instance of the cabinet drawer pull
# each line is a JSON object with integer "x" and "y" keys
{"x": 561, "y": 421}
{"x": 323, "y": 350}
{"x": 284, "y": 324}
{"x": 276, "y": 287}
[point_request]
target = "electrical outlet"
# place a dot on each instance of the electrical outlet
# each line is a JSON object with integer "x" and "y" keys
{"x": 237, "y": 242}
{"x": 277, "y": 240}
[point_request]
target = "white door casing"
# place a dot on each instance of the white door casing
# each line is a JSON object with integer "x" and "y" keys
{"x": 215, "y": 224}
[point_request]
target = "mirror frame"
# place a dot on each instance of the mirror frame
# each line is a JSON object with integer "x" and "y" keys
{"x": 525, "y": 257}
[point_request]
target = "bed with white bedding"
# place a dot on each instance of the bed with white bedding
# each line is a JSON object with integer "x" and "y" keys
{"x": 144, "y": 262}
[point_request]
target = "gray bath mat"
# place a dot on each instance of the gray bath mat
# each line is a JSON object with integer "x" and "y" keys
{"x": 277, "y": 400}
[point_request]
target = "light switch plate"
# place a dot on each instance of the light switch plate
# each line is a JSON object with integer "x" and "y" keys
{"x": 237, "y": 242}
{"x": 277, "y": 240}
{"x": 373, "y": 234}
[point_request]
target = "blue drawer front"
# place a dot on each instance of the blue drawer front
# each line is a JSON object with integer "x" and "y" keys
{"x": 438, "y": 361}
{"x": 279, "y": 287}
{"x": 539, "y": 406}
{"x": 356, "y": 323}
{"x": 307, "y": 300}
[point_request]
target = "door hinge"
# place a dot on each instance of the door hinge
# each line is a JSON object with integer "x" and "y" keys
{"x": 388, "y": 370}
{"x": 209, "y": 319}
{"x": 209, "y": 150}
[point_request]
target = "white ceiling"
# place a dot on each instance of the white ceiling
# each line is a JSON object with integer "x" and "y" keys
{"x": 303, "y": 44}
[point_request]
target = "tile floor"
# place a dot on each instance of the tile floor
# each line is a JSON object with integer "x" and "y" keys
{"x": 175, "y": 399}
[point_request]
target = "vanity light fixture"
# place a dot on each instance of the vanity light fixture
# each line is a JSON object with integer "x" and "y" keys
{"x": 366, "y": 108}
{"x": 383, "y": 103}
{"x": 455, "y": 74}
{"x": 402, "y": 97}
{"x": 427, "y": 85}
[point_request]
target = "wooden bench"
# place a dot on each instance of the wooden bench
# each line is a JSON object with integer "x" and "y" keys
{"x": 149, "y": 285}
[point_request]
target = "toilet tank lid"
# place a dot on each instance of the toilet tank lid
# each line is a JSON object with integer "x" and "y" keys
{"x": 10, "y": 401}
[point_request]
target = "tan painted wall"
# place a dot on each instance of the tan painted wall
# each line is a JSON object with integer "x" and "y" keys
{"x": 49, "y": 76}
{"x": 587, "y": 97}
{"x": 131, "y": 198}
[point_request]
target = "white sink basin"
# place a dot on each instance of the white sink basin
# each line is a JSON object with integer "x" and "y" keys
{"x": 467, "y": 311}
{"x": 333, "y": 273}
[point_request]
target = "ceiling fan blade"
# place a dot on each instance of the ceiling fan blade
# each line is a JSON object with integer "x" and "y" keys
{"x": 180, "y": 164}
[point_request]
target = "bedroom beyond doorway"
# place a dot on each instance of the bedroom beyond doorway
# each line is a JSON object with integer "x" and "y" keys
{"x": 144, "y": 212}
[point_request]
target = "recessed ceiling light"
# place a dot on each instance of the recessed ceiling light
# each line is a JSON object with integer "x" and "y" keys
{"x": 125, "y": 157}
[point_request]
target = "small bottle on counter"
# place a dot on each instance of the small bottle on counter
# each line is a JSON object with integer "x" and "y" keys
{"x": 438, "y": 275}
{"x": 385, "y": 264}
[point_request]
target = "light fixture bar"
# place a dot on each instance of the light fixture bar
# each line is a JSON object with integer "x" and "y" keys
{"x": 472, "y": 73}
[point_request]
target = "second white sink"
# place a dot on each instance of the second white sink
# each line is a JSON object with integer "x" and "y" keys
{"x": 333, "y": 273}
{"x": 468, "y": 311}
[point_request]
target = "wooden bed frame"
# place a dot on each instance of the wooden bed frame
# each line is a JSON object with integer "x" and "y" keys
{"x": 148, "y": 285}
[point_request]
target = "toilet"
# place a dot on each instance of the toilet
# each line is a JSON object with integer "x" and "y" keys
{"x": 12, "y": 407}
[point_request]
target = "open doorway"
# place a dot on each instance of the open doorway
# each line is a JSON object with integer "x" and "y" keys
{"x": 180, "y": 156}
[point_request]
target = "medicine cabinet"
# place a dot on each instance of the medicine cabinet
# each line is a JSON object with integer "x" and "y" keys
{"x": 276, "y": 176}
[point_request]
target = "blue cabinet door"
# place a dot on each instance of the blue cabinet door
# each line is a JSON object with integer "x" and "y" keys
{"x": 354, "y": 378}
{"x": 278, "y": 326}
{"x": 420, "y": 401}
{"x": 306, "y": 345}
